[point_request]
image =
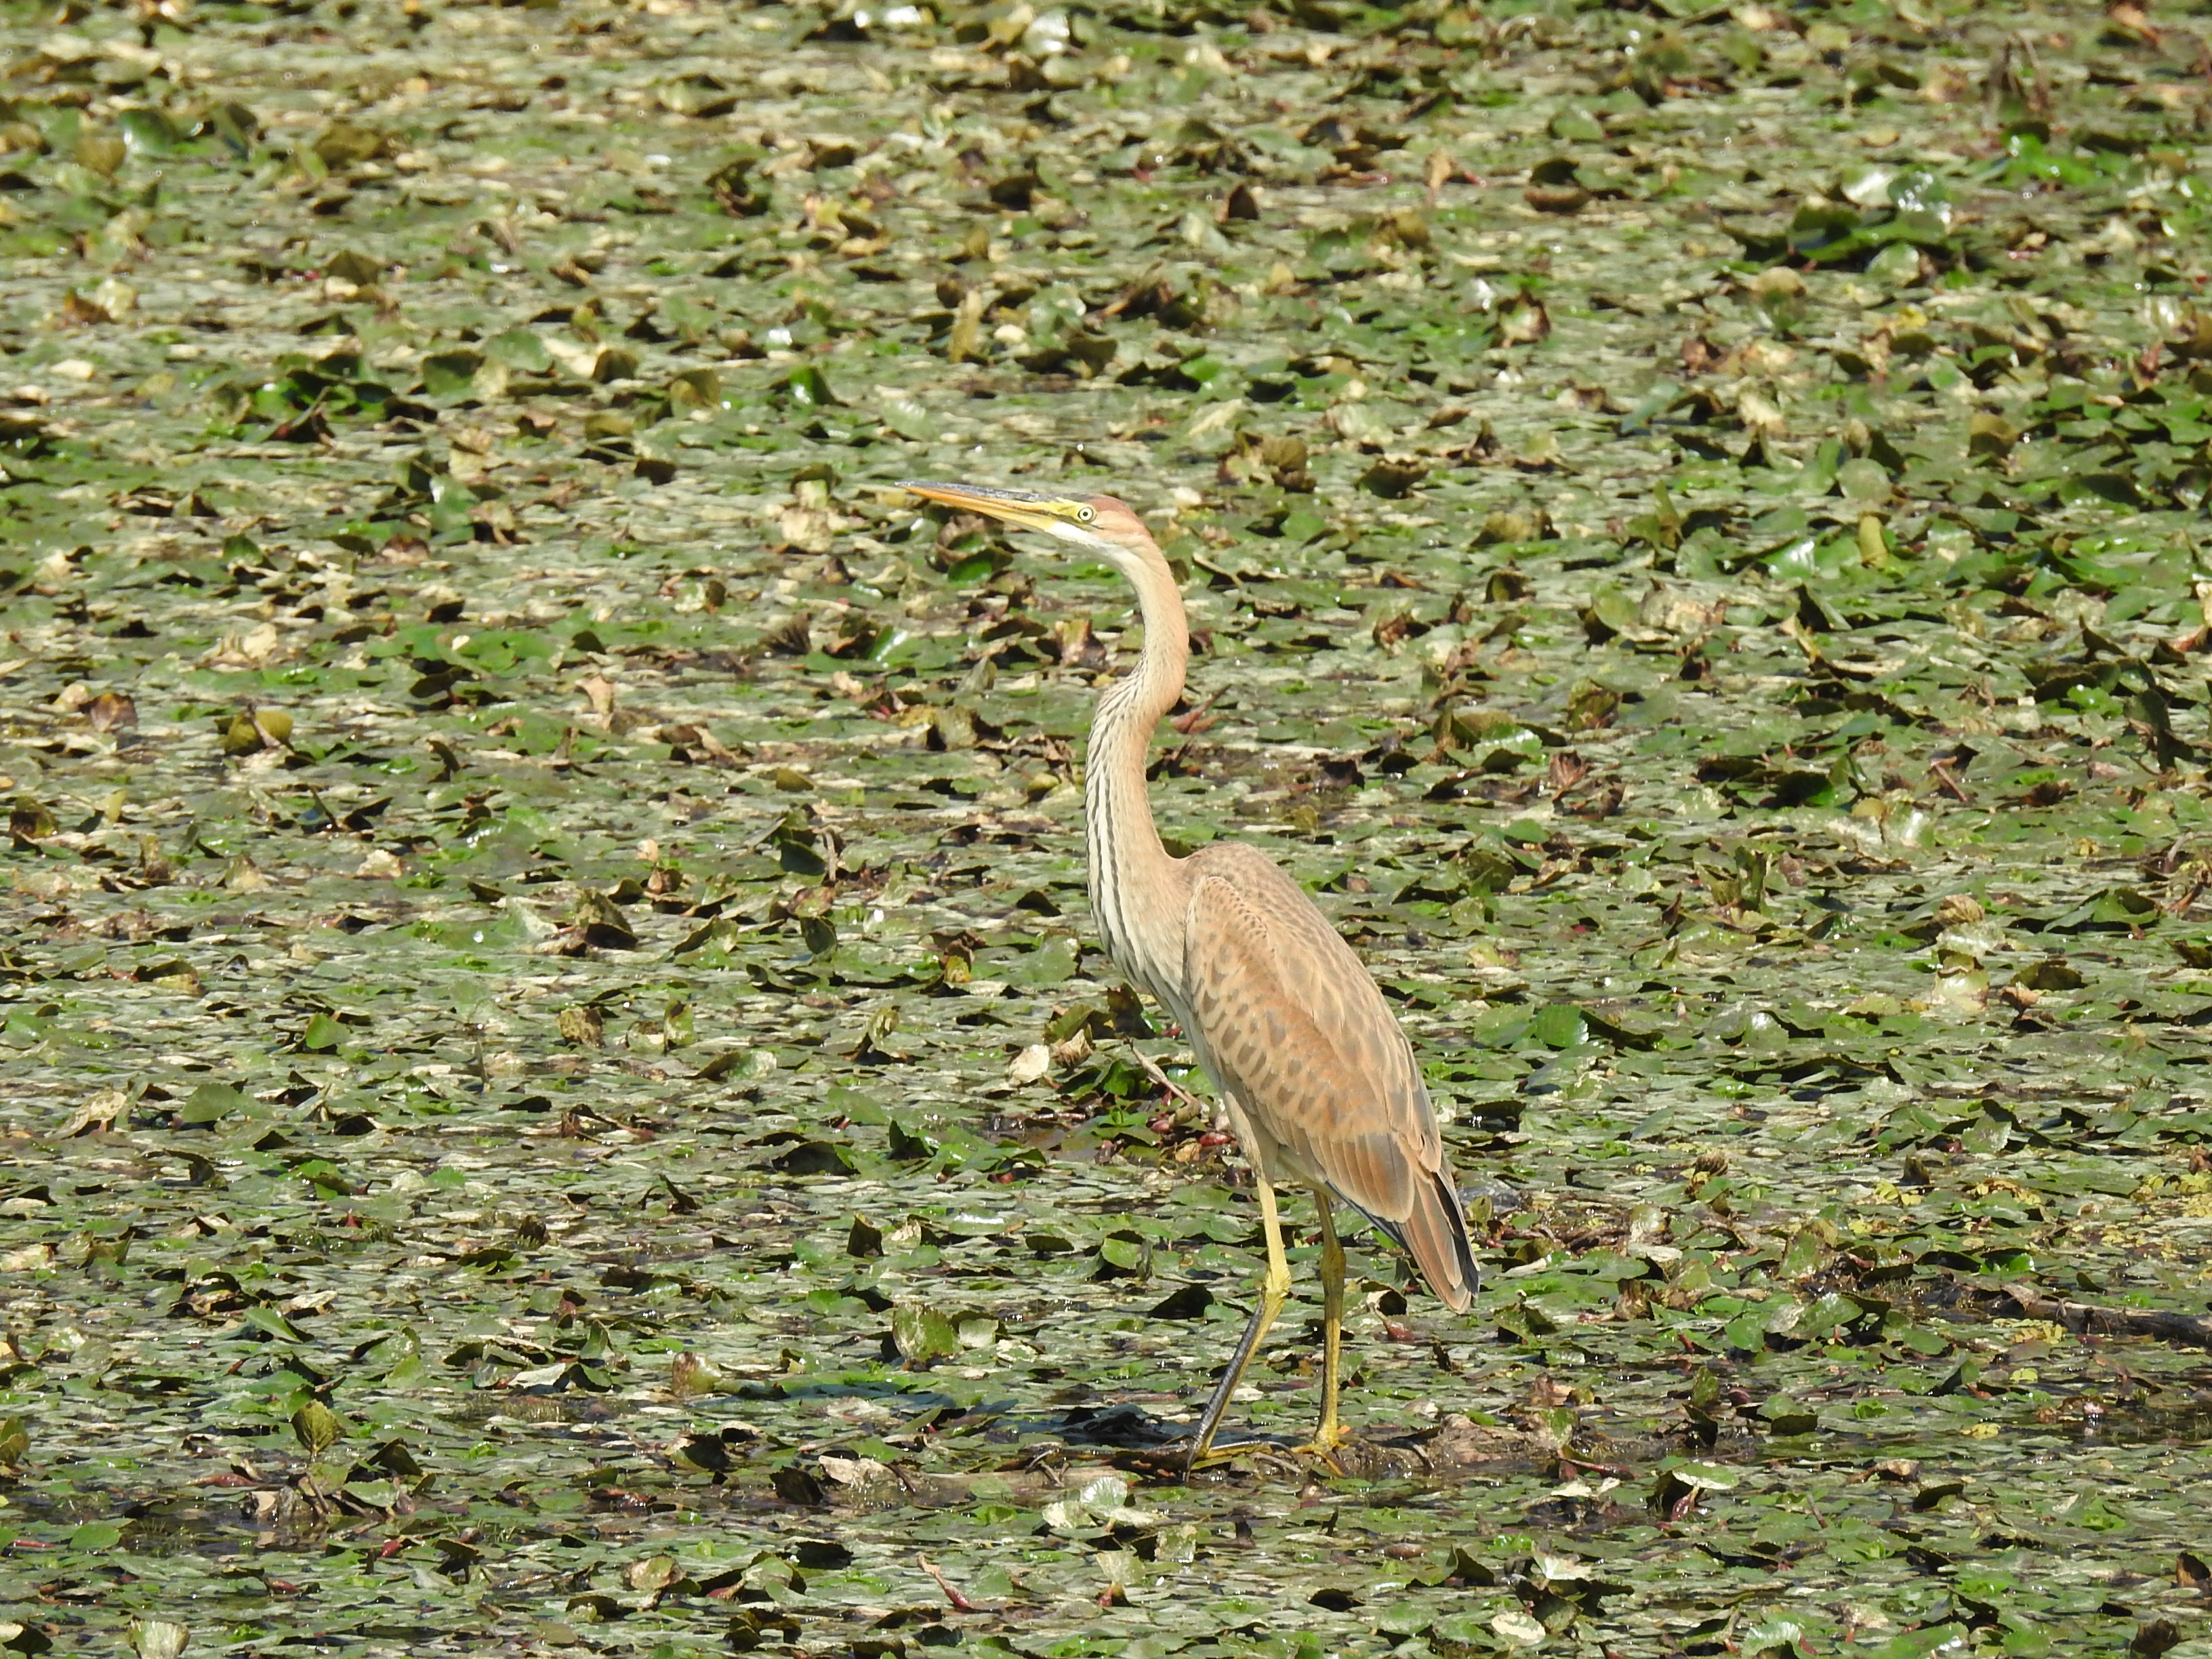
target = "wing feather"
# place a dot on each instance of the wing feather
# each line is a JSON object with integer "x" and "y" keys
{"x": 1291, "y": 1024}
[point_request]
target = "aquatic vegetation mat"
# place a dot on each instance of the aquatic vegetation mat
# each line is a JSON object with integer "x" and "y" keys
{"x": 558, "y": 1093}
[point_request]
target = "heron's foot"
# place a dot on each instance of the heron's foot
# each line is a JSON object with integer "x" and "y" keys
{"x": 1324, "y": 1445}
{"x": 1228, "y": 1452}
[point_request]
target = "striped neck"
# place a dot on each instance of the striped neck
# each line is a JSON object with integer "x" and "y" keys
{"x": 1130, "y": 872}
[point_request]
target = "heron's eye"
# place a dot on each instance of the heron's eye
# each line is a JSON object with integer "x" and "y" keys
{"x": 1085, "y": 515}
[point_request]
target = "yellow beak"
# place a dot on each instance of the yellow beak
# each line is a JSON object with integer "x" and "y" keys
{"x": 1021, "y": 508}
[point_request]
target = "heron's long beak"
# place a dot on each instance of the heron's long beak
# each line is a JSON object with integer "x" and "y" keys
{"x": 1021, "y": 508}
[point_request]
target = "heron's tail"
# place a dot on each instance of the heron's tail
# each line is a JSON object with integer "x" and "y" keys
{"x": 1435, "y": 1234}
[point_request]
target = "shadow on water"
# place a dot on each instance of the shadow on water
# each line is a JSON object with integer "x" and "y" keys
{"x": 2142, "y": 1424}
{"x": 1116, "y": 1428}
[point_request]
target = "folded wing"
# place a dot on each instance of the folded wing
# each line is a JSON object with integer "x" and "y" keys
{"x": 1297, "y": 1031}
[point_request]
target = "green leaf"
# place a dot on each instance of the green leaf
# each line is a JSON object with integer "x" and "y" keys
{"x": 450, "y": 373}
{"x": 1805, "y": 1254}
{"x": 807, "y": 387}
{"x": 212, "y": 1102}
{"x": 318, "y": 1428}
{"x": 922, "y": 1334}
{"x": 519, "y": 349}
{"x": 1560, "y": 1025}
{"x": 269, "y": 1321}
{"x": 147, "y": 132}
{"x": 322, "y": 1032}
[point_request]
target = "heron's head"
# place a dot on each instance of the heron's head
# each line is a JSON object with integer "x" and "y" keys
{"x": 1098, "y": 523}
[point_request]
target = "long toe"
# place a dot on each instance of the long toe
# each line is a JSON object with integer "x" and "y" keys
{"x": 1219, "y": 1452}
{"x": 1326, "y": 1453}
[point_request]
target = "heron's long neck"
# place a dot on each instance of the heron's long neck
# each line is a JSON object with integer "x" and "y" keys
{"x": 1132, "y": 877}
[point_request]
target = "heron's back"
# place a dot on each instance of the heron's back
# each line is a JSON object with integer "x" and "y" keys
{"x": 1293, "y": 1027}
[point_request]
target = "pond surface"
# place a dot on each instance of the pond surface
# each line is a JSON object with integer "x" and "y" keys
{"x": 561, "y": 1090}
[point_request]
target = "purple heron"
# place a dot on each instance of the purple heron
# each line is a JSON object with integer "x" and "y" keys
{"x": 1316, "y": 1081}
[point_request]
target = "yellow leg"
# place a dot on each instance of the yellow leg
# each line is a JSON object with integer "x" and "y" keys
{"x": 1273, "y": 1288}
{"x": 1327, "y": 1437}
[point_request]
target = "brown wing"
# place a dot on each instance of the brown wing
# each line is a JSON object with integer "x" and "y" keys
{"x": 1297, "y": 1033}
